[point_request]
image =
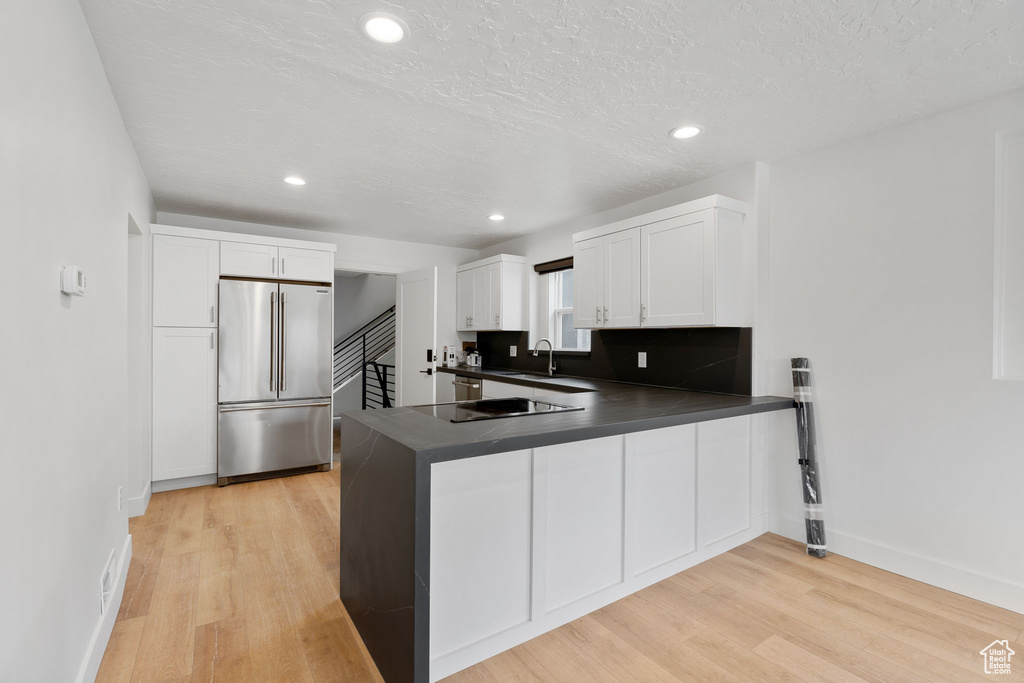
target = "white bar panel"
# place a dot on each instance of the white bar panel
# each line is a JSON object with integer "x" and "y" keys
{"x": 480, "y": 564}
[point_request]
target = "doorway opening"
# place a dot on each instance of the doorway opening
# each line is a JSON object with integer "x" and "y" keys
{"x": 364, "y": 340}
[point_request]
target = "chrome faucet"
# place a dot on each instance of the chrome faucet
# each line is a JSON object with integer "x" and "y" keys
{"x": 551, "y": 354}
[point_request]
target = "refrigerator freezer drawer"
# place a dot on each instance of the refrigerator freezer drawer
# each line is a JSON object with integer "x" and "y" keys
{"x": 266, "y": 437}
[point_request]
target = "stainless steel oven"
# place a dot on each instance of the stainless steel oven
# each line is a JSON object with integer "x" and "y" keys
{"x": 468, "y": 389}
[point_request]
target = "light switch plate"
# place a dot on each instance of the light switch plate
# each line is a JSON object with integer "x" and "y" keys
{"x": 512, "y": 350}
{"x": 641, "y": 359}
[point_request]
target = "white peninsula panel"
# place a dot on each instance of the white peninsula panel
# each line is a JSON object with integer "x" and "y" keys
{"x": 723, "y": 476}
{"x": 480, "y": 535}
{"x": 661, "y": 510}
{"x": 582, "y": 510}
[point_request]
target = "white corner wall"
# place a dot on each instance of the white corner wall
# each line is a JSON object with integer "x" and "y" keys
{"x": 69, "y": 178}
{"x": 881, "y": 272}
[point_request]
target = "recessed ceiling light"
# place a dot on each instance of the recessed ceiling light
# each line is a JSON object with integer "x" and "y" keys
{"x": 496, "y": 217}
{"x": 684, "y": 132}
{"x": 294, "y": 180}
{"x": 383, "y": 28}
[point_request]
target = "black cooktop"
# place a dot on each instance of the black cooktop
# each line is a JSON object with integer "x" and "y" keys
{"x": 492, "y": 408}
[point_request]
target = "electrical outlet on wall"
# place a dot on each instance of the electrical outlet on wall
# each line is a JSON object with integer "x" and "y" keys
{"x": 512, "y": 350}
{"x": 641, "y": 359}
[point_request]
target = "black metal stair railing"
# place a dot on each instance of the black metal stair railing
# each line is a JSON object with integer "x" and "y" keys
{"x": 378, "y": 385}
{"x": 357, "y": 355}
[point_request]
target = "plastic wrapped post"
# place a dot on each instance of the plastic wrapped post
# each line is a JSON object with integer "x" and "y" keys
{"x": 813, "y": 517}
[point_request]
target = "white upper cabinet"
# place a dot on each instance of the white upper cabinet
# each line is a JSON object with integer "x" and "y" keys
{"x": 244, "y": 259}
{"x": 491, "y": 294}
{"x": 677, "y": 267}
{"x": 692, "y": 270}
{"x": 588, "y": 282}
{"x": 482, "y": 317}
{"x": 185, "y": 272}
{"x": 306, "y": 264}
{"x": 606, "y": 281}
{"x": 622, "y": 279}
{"x": 464, "y": 300}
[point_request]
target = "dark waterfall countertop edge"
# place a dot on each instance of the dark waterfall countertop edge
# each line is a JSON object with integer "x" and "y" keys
{"x": 610, "y": 409}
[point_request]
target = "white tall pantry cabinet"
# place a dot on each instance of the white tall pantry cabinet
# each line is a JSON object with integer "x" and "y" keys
{"x": 187, "y": 266}
{"x": 185, "y": 275}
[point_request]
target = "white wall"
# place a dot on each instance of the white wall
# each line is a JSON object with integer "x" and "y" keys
{"x": 69, "y": 177}
{"x": 358, "y": 300}
{"x": 882, "y": 274}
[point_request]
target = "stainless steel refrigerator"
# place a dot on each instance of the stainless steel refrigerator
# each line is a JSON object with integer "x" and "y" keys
{"x": 274, "y": 391}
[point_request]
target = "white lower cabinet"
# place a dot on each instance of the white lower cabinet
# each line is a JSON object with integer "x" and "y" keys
{"x": 479, "y": 562}
{"x": 184, "y": 402}
{"x": 723, "y": 478}
{"x": 526, "y": 541}
{"x": 661, "y": 510}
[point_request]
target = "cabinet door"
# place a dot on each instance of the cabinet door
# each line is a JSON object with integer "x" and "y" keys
{"x": 306, "y": 264}
{"x": 723, "y": 482}
{"x": 588, "y": 289}
{"x": 677, "y": 271}
{"x": 622, "y": 279}
{"x": 185, "y": 273}
{"x": 248, "y": 260}
{"x": 464, "y": 300}
{"x": 184, "y": 402}
{"x": 480, "y": 548}
{"x": 482, "y": 318}
{"x": 494, "y": 296}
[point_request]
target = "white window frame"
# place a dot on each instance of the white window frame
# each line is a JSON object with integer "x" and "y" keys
{"x": 555, "y": 314}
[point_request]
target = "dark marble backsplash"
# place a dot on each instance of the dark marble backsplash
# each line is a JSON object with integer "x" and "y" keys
{"x": 697, "y": 358}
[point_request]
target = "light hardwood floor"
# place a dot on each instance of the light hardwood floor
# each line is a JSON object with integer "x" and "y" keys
{"x": 241, "y": 584}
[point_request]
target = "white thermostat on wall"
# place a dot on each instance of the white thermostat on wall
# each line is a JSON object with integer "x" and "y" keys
{"x": 72, "y": 281}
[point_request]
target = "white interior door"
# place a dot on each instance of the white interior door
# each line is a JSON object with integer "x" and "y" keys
{"x": 415, "y": 337}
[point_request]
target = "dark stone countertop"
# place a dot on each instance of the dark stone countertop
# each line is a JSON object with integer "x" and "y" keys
{"x": 610, "y": 408}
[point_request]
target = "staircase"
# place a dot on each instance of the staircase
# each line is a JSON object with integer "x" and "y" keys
{"x": 356, "y": 357}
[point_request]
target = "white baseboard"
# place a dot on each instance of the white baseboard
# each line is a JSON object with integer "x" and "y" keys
{"x": 101, "y": 634}
{"x": 973, "y": 584}
{"x": 184, "y": 483}
{"x": 137, "y": 506}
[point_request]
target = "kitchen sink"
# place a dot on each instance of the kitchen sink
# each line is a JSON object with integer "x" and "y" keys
{"x": 493, "y": 408}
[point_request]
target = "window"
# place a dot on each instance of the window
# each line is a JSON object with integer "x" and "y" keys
{"x": 563, "y": 334}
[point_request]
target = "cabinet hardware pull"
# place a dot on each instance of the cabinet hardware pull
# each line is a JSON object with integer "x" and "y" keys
{"x": 273, "y": 330}
{"x": 283, "y": 326}
{"x": 211, "y": 341}
{"x": 643, "y": 312}
{"x": 282, "y": 265}
{"x": 605, "y": 316}
{"x": 597, "y": 315}
{"x": 211, "y": 314}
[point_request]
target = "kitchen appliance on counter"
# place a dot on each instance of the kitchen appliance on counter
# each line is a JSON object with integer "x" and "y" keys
{"x": 274, "y": 390}
{"x": 473, "y": 359}
{"x": 493, "y": 408}
{"x": 450, "y": 357}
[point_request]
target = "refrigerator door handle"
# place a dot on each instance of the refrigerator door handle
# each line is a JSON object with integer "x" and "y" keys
{"x": 283, "y": 326}
{"x": 234, "y": 408}
{"x": 273, "y": 333}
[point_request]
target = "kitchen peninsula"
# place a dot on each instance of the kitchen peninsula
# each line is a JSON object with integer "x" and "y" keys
{"x": 459, "y": 541}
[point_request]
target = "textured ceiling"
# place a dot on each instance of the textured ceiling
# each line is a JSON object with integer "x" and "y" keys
{"x": 543, "y": 110}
